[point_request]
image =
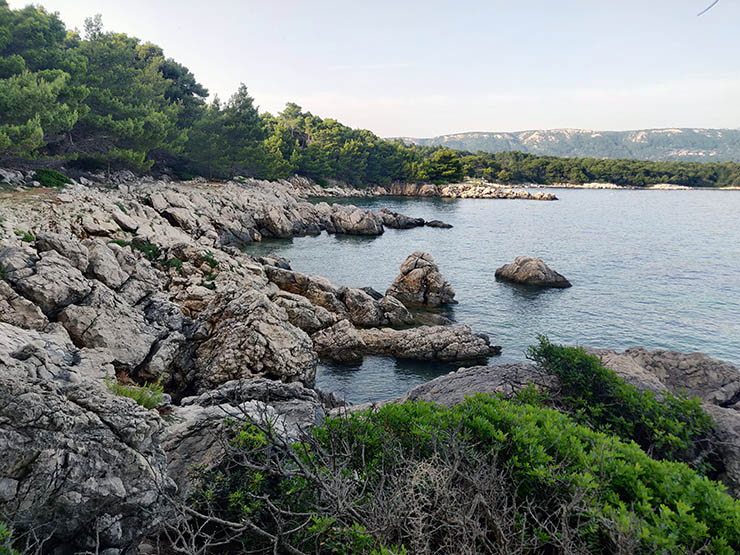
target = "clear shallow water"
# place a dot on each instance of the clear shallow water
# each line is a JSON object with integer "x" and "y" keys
{"x": 659, "y": 269}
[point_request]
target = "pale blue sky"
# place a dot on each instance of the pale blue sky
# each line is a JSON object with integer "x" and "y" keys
{"x": 428, "y": 68}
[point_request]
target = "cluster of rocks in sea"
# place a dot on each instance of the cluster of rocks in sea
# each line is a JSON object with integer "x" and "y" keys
{"x": 146, "y": 281}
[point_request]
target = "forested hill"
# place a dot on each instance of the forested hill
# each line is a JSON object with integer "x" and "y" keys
{"x": 102, "y": 101}
{"x": 690, "y": 145}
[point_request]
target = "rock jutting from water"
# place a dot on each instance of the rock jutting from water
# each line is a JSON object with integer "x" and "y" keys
{"x": 420, "y": 283}
{"x": 531, "y": 271}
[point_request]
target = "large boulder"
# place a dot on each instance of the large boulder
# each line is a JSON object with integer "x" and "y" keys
{"x": 19, "y": 311}
{"x": 351, "y": 220}
{"x": 303, "y": 314}
{"x": 66, "y": 245}
{"x": 444, "y": 343}
{"x": 420, "y": 283}
{"x": 395, "y": 220}
{"x": 531, "y": 271}
{"x": 247, "y": 335}
{"x": 79, "y": 465}
{"x": 341, "y": 342}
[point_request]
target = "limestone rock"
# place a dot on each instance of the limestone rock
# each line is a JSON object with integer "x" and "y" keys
{"x": 504, "y": 379}
{"x": 438, "y": 224}
{"x": 395, "y": 220}
{"x": 54, "y": 284}
{"x": 342, "y": 342}
{"x": 19, "y": 311}
{"x": 531, "y": 271}
{"x": 304, "y": 315}
{"x": 104, "y": 266}
{"x": 443, "y": 343}
{"x": 420, "y": 283}
{"x": 66, "y": 245}
{"x": 80, "y": 464}
{"x": 355, "y": 221}
{"x": 250, "y": 336}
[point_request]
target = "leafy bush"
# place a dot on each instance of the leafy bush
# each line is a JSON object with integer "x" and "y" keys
{"x": 175, "y": 263}
{"x": 150, "y": 250}
{"x": 486, "y": 476}
{"x": 51, "y": 178}
{"x": 674, "y": 428}
{"x": 120, "y": 242}
{"x": 148, "y": 395}
{"x": 121, "y": 207}
{"x": 6, "y": 541}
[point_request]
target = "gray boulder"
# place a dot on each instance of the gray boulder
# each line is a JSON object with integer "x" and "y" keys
{"x": 396, "y": 220}
{"x": 66, "y": 245}
{"x": 351, "y": 220}
{"x": 19, "y": 311}
{"x": 420, "y": 283}
{"x": 531, "y": 271}
{"x": 341, "y": 342}
{"x": 80, "y": 465}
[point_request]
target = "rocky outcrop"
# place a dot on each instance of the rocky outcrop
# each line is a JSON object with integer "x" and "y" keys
{"x": 248, "y": 336}
{"x": 355, "y": 221}
{"x": 420, "y": 283}
{"x": 395, "y": 220}
{"x": 346, "y": 344}
{"x": 465, "y": 190}
{"x": 503, "y": 379}
{"x": 357, "y": 305}
{"x": 531, "y": 271}
{"x": 438, "y": 224}
{"x": 78, "y": 465}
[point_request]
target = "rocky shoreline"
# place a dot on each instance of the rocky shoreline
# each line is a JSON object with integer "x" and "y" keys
{"x": 145, "y": 281}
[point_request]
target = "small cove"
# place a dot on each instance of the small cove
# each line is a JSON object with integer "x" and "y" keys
{"x": 659, "y": 269}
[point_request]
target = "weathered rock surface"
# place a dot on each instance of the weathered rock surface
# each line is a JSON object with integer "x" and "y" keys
{"x": 16, "y": 310}
{"x": 341, "y": 342}
{"x": 503, "y": 379}
{"x": 355, "y": 221}
{"x": 531, "y": 271}
{"x": 395, "y": 220}
{"x": 420, "y": 283}
{"x": 439, "y": 224}
{"x": 198, "y": 433}
{"x": 249, "y": 336}
{"x": 79, "y": 464}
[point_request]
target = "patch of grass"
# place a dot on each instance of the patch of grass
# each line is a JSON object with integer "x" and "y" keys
{"x": 121, "y": 206}
{"x": 150, "y": 250}
{"x": 210, "y": 276}
{"x": 175, "y": 263}
{"x": 25, "y": 236}
{"x": 209, "y": 259}
{"x": 51, "y": 178}
{"x": 6, "y": 540}
{"x": 148, "y": 395}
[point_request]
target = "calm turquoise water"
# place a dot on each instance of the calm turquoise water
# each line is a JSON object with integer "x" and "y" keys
{"x": 660, "y": 269}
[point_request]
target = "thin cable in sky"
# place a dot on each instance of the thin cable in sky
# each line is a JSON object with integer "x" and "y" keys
{"x": 705, "y": 10}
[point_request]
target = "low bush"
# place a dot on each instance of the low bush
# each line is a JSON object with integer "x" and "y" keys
{"x": 209, "y": 259}
{"x": 6, "y": 541}
{"x": 51, "y": 178}
{"x": 486, "y": 476}
{"x": 674, "y": 427}
{"x": 25, "y": 236}
{"x": 148, "y": 395}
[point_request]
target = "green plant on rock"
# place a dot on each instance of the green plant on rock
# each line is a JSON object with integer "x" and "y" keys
{"x": 673, "y": 428}
{"x": 51, "y": 178}
{"x": 121, "y": 207}
{"x": 25, "y": 236}
{"x": 209, "y": 259}
{"x": 175, "y": 263}
{"x": 120, "y": 242}
{"x": 148, "y": 395}
{"x": 6, "y": 540}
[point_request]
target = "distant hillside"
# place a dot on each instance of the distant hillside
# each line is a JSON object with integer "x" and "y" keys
{"x": 689, "y": 145}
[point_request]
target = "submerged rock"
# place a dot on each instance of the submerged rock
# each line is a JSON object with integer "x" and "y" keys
{"x": 420, "y": 283}
{"x": 531, "y": 271}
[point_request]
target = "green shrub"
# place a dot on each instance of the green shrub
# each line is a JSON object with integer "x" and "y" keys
{"x": 209, "y": 259}
{"x": 673, "y": 428}
{"x": 486, "y": 476}
{"x": 175, "y": 263}
{"x": 51, "y": 178}
{"x": 121, "y": 207}
{"x": 6, "y": 541}
{"x": 148, "y": 395}
{"x": 150, "y": 250}
{"x": 26, "y": 236}
{"x": 120, "y": 242}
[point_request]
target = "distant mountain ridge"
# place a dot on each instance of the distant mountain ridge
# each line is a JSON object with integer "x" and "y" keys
{"x": 687, "y": 144}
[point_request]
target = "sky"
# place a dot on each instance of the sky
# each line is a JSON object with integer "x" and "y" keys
{"x": 421, "y": 69}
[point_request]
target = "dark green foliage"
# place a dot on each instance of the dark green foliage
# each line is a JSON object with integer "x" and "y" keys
{"x": 51, "y": 178}
{"x": 175, "y": 263}
{"x": 209, "y": 259}
{"x": 674, "y": 428}
{"x": 26, "y": 236}
{"x": 150, "y": 250}
{"x": 120, "y": 242}
{"x": 148, "y": 395}
{"x": 121, "y": 207}
{"x": 6, "y": 541}
{"x": 515, "y": 475}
